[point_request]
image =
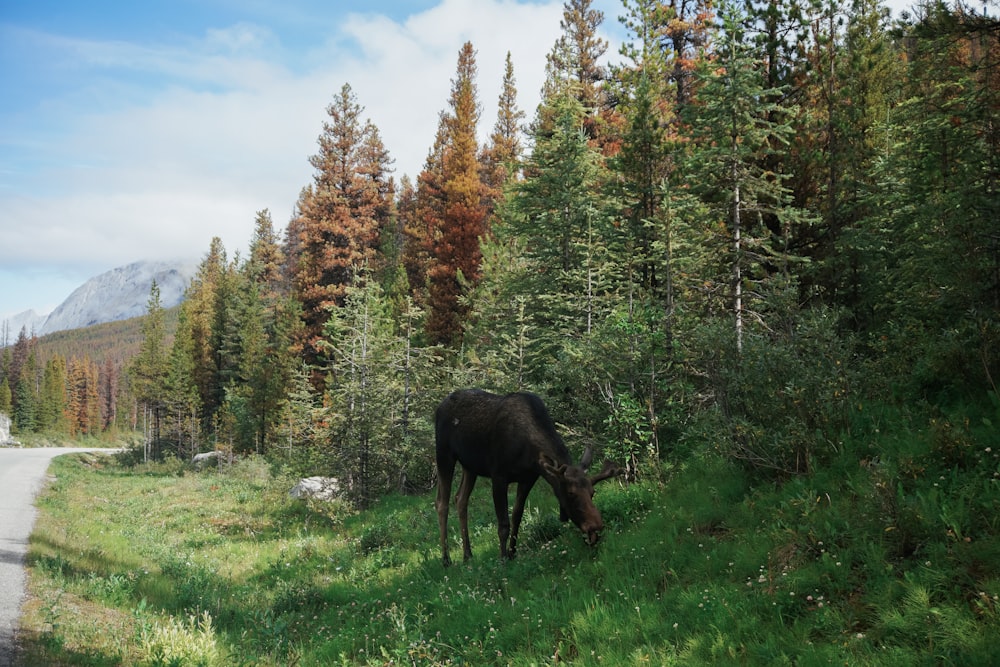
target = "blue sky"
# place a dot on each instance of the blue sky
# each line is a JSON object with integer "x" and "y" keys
{"x": 140, "y": 130}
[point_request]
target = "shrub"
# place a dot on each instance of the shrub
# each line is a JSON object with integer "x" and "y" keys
{"x": 180, "y": 643}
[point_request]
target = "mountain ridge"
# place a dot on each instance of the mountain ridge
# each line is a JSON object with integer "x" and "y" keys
{"x": 119, "y": 294}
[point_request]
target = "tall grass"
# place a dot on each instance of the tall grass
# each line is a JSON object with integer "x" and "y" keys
{"x": 888, "y": 555}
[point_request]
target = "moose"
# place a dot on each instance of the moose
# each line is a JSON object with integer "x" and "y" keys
{"x": 509, "y": 439}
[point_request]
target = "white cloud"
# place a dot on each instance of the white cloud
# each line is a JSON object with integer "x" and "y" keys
{"x": 186, "y": 141}
{"x": 163, "y": 145}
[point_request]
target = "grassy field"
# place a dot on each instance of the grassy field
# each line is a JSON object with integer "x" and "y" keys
{"x": 890, "y": 555}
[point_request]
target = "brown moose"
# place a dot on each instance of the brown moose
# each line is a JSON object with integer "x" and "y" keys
{"x": 509, "y": 439}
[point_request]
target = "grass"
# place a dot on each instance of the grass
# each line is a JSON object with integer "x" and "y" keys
{"x": 890, "y": 555}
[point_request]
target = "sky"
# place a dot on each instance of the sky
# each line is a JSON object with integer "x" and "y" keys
{"x": 141, "y": 130}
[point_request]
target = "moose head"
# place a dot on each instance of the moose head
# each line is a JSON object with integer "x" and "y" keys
{"x": 575, "y": 491}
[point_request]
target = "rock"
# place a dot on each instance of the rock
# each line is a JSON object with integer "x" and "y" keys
{"x": 5, "y": 439}
{"x": 205, "y": 458}
{"x": 318, "y": 488}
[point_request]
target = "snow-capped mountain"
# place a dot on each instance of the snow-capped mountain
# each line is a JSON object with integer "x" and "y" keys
{"x": 116, "y": 295}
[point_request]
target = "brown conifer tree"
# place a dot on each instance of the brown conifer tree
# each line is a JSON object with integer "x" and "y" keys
{"x": 455, "y": 255}
{"x": 336, "y": 230}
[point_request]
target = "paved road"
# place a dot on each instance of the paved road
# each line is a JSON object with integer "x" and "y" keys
{"x": 22, "y": 472}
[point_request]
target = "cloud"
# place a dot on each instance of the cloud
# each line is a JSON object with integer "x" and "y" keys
{"x": 163, "y": 146}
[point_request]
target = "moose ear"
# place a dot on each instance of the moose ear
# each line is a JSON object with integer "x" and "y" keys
{"x": 610, "y": 470}
{"x": 588, "y": 456}
{"x": 550, "y": 466}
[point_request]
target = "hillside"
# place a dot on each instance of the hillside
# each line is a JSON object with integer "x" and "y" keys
{"x": 116, "y": 342}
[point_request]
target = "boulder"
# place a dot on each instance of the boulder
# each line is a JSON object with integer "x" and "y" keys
{"x": 5, "y": 439}
{"x": 318, "y": 488}
{"x": 205, "y": 458}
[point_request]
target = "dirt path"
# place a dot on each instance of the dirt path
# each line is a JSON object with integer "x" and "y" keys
{"x": 22, "y": 472}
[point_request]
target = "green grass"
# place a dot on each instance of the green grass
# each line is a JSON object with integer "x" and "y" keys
{"x": 888, "y": 556}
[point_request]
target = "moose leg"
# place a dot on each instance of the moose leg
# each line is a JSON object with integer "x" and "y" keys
{"x": 523, "y": 489}
{"x": 462, "y": 500}
{"x": 503, "y": 518}
{"x": 446, "y": 471}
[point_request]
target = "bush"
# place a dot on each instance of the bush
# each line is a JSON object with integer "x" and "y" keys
{"x": 781, "y": 403}
{"x": 175, "y": 643}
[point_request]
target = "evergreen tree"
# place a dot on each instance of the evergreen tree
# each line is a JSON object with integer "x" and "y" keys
{"x": 574, "y": 66}
{"x": 179, "y": 393}
{"x": 83, "y": 407}
{"x": 422, "y": 212}
{"x": 645, "y": 162}
{"x": 559, "y": 215}
{"x": 931, "y": 273}
{"x": 733, "y": 135}
{"x": 377, "y": 380}
{"x": 341, "y": 215}
{"x": 25, "y": 417}
{"x": 501, "y": 157}
{"x": 148, "y": 372}
{"x": 6, "y": 399}
{"x": 19, "y": 355}
{"x": 455, "y": 254}
{"x": 110, "y": 389}
{"x": 686, "y": 28}
{"x": 204, "y": 307}
{"x": 52, "y": 401}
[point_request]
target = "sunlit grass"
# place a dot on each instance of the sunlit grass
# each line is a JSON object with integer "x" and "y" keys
{"x": 887, "y": 561}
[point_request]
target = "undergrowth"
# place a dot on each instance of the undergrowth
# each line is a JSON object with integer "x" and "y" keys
{"x": 887, "y": 555}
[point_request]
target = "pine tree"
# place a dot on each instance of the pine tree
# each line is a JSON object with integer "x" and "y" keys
{"x": 560, "y": 218}
{"x": 645, "y": 162}
{"x": 179, "y": 391}
{"x": 19, "y": 355}
{"x": 204, "y": 307}
{"x": 422, "y": 213}
{"x": 341, "y": 215}
{"x": 930, "y": 247}
{"x": 686, "y": 28}
{"x": 574, "y": 65}
{"x": 501, "y": 158}
{"x": 52, "y": 401}
{"x": 25, "y": 416}
{"x": 109, "y": 395}
{"x": 455, "y": 254}
{"x": 83, "y": 407}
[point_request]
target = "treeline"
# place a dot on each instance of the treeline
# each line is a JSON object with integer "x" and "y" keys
{"x": 73, "y": 382}
{"x": 762, "y": 216}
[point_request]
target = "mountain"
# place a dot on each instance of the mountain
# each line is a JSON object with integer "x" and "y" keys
{"x": 29, "y": 320}
{"x": 119, "y": 294}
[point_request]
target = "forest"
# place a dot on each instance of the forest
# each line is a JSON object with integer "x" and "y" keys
{"x": 757, "y": 224}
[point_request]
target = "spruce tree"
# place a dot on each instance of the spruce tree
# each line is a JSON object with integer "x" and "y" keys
{"x": 148, "y": 371}
{"x": 52, "y": 401}
{"x": 501, "y": 157}
{"x": 733, "y": 135}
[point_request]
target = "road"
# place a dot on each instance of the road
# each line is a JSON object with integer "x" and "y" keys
{"x": 22, "y": 472}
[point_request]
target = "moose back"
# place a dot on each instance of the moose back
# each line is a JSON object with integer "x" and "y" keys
{"x": 510, "y": 439}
